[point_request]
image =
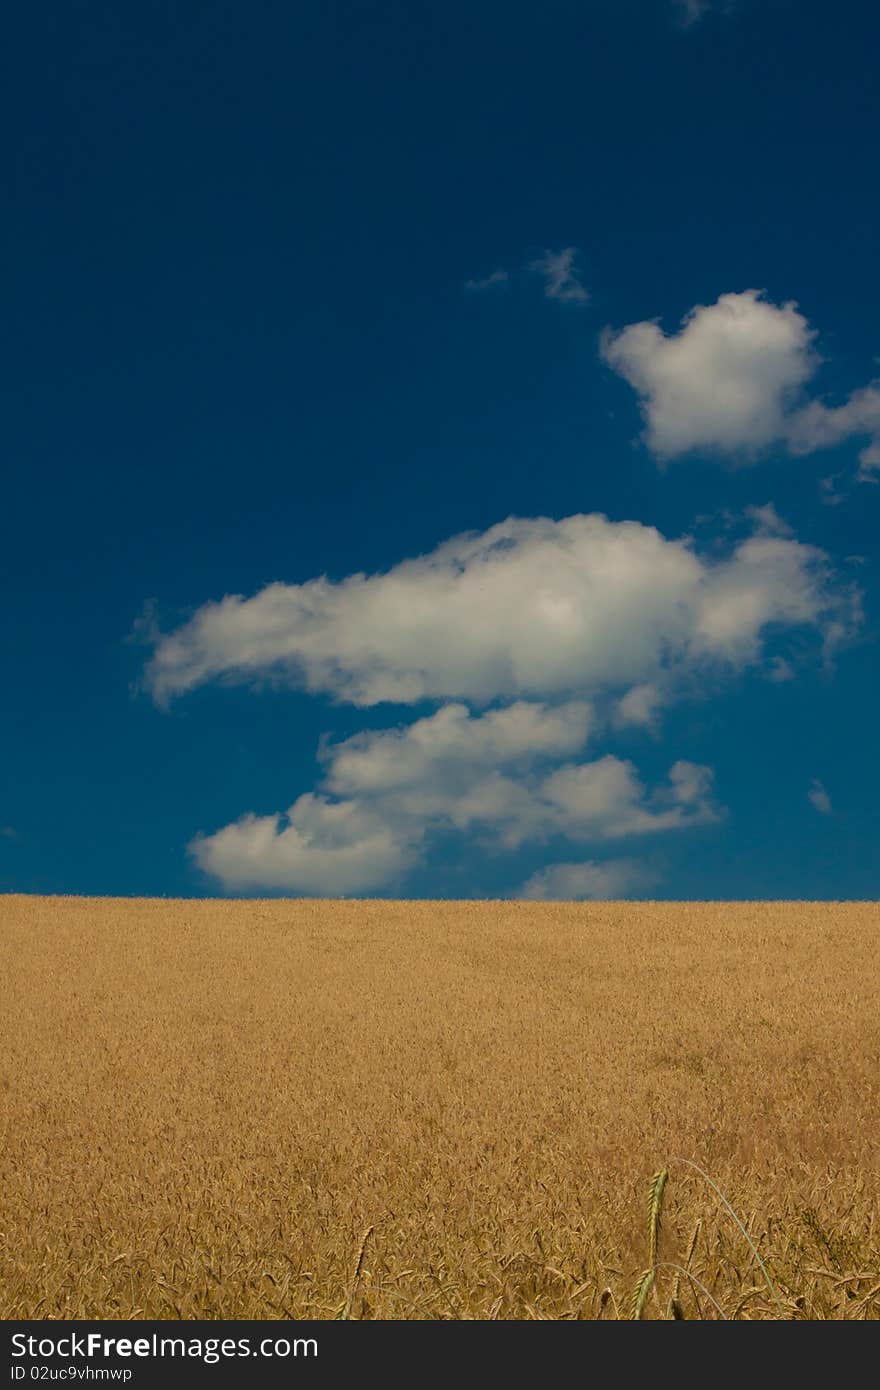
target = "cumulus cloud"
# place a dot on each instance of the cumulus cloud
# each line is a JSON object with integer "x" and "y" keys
{"x": 819, "y": 797}
{"x": 614, "y": 878}
{"x": 530, "y": 608}
{"x": 731, "y": 381}
{"x": 562, "y": 279}
{"x": 317, "y": 847}
{"x": 454, "y": 742}
{"x": 724, "y": 382}
{"x": 386, "y": 793}
{"x": 382, "y": 792}
{"x": 555, "y": 631}
{"x": 604, "y": 800}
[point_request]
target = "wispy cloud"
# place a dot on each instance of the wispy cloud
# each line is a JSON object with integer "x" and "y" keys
{"x": 498, "y": 279}
{"x": 8, "y": 832}
{"x": 557, "y": 269}
{"x": 819, "y": 426}
{"x": 819, "y": 797}
{"x": 767, "y": 521}
{"x": 561, "y": 276}
{"x": 831, "y": 494}
{"x": 688, "y": 12}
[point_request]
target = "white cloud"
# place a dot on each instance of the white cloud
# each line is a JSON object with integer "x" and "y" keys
{"x": 819, "y": 797}
{"x": 818, "y": 426}
{"x": 562, "y": 279}
{"x": 731, "y": 381}
{"x": 535, "y": 608}
{"x": 605, "y": 800}
{"x": 639, "y": 707}
{"x": 496, "y": 280}
{"x": 318, "y": 847}
{"x": 767, "y": 521}
{"x": 386, "y": 793}
{"x": 589, "y": 880}
{"x": 558, "y": 270}
{"x": 454, "y": 741}
{"x": 724, "y": 382}
{"x": 584, "y": 802}
{"x": 768, "y": 580}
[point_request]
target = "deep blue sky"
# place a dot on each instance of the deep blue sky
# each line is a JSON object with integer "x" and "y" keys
{"x": 237, "y": 348}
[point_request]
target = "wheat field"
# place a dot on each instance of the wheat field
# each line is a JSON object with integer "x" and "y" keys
{"x": 206, "y": 1105}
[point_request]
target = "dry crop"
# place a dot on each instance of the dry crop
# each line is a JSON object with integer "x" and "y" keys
{"x": 206, "y": 1106}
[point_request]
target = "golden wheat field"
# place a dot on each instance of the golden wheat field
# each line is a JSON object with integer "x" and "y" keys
{"x": 205, "y": 1106}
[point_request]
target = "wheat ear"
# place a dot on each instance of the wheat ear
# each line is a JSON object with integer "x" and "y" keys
{"x": 655, "y": 1217}
{"x": 640, "y": 1294}
{"x": 655, "y": 1212}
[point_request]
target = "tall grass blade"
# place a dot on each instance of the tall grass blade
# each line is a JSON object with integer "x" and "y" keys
{"x": 715, "y": 1188}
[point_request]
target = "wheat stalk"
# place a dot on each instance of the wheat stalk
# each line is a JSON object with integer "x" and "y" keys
{"x": 345, "y": 1311}
{"x": 692, "y": 1245}
{"x": 668, "y": 1264}
{"x": 655, "y": 1216}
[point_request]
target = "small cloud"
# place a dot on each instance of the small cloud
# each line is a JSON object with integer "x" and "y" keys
{"x": 638, "y": 708}
{"x": 723, "y": 383}
{"x": 497, "y": 280}
{"x": 8, "y": 832}
{"x": 767, "y": 521}
{"x": 145, "y": 629}
{"x": 593, "y": 881}
{"x": 819, "y": 797}
{"x": 562, "y": 279}
{"x": 819, "y": 426}
{"x": 831, "y": 494}
{"x": 732, "y": 382}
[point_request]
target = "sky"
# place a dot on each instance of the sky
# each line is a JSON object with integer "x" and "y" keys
{"x": 441, "y": 450}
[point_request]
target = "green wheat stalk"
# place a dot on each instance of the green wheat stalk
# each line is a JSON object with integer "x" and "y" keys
{"x": 655, "y": 1218}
